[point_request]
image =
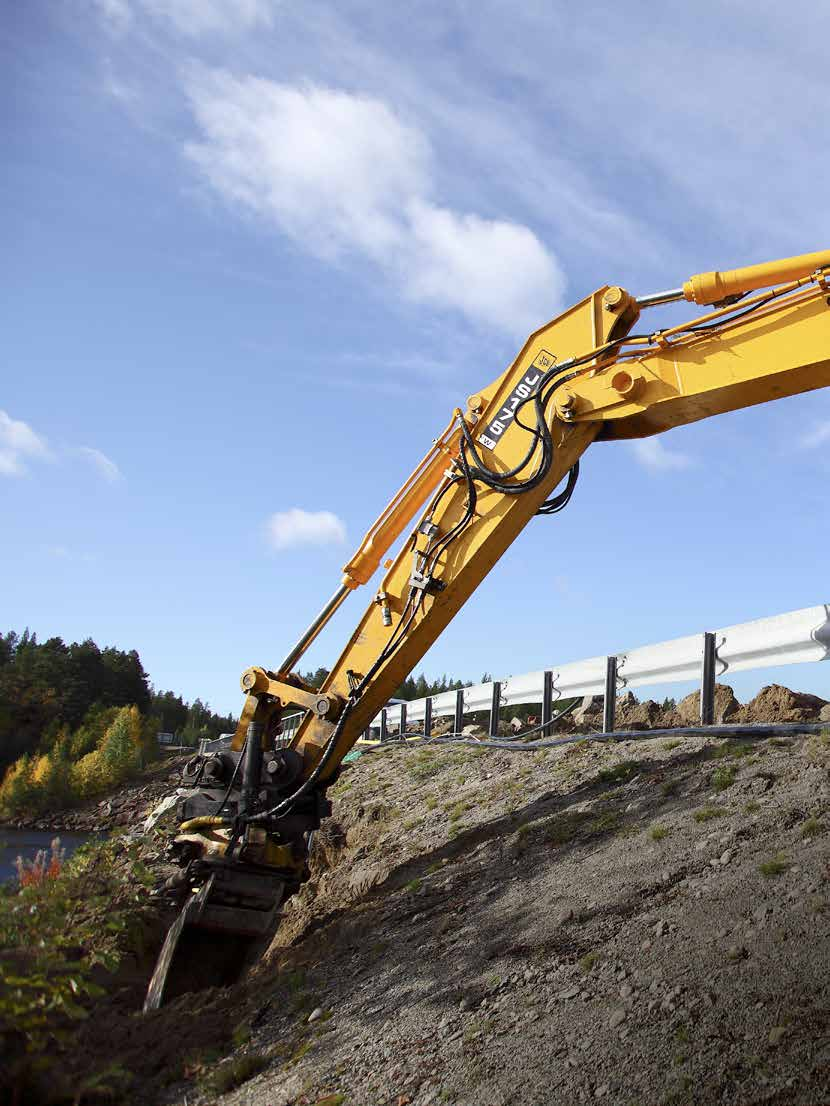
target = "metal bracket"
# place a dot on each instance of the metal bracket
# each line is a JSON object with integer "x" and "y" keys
{"x": 256, "y": 681}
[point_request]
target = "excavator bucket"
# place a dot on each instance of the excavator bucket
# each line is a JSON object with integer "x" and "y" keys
{"x": 218, "y": 931}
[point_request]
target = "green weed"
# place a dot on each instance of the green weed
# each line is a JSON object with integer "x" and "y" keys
{"x": 723, "y": 778}
{"x": 236, "y": 1071}
{"x": 619, "y": 773}
{"x": 589, "y": 961}
{"x": 775, "y": 866}
{"x": 658, "y": 833}
{"x": 811, "y": 828}
{"x": 707, "y": 813}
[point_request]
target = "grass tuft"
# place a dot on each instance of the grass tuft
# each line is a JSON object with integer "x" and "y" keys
{"x": 811, "y": 828}
{"x": 589, "y": 961}
{"x": 658, "y": 833}
{"x": 619, "y": 773}
{"x": 775, "y": 866}
{"x": 723, "y": 777}
{"x": 237, "y": 1071}
{"x": 707, "y": 813}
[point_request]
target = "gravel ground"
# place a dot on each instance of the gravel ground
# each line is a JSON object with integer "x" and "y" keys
{"x": 644, "y": 923}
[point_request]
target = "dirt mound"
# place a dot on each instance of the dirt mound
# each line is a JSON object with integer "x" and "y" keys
{"x": 726, "y": 707}
{"x": 632, "y": 714}
{"x": 778, "y": 704}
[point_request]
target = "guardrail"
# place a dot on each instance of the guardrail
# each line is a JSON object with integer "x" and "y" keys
{"x": 791, "y": 638}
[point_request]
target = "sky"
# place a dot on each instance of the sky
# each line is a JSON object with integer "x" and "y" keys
{"x": 257, "y": 250}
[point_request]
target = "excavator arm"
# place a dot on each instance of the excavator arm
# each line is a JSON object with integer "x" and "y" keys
{"x": 582, "y": 377}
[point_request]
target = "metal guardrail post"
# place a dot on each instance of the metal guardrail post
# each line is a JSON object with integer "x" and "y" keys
{"x": 384, "y": 731}
{"x": 495, "y": 706}
{"x": 547, "y": 704}
{"x": 428, "y": 717}
{"x": 609, "y": 706}
{"x": 402, "y": 727}
{"x": 459, "y": 711}
{"x": 707, "y": 681}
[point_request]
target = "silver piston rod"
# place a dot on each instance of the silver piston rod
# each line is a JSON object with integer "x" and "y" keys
{"x": 314, "y": 629}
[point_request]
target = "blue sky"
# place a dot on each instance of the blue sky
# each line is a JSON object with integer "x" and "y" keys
{"x": 257, "y": 250}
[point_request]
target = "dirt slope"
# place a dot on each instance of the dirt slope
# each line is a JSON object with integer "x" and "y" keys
{"x": 645, "y": 923}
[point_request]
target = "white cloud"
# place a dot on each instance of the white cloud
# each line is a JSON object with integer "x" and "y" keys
{"x": 198, "y": 17}
{"x": 18, "y": 443}
{"x": 191, "y": 17}
{"x": 653, "y": 454}
{"x": 816, "y": 437}
{"x": 342, "y": 175}
{"x": 288, "y": 529}
{"x": 491, "y": 271}
{"x": 117, "y": 15}
{"x": 106, "y": 468}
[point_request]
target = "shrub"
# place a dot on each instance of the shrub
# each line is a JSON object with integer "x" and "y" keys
{"x": 64, "y": 922}
{"x": 45, "y": 866}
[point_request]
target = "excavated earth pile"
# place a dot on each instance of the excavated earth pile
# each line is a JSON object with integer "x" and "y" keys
{"x": 639, "y": 923}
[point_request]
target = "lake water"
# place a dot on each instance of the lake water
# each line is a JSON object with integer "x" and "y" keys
{"x": 27, "y": 843}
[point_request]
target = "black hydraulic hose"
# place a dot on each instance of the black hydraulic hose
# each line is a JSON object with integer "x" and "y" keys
{"x": 738, "y": 730}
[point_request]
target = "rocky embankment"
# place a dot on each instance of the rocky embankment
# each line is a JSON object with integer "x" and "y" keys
{"x": 128, "y": 807}
{"x": 641, "y": 923}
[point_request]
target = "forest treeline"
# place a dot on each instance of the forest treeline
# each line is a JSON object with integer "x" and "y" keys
{"x": 76, "y": 720}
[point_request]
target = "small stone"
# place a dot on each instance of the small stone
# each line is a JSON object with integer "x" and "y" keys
{"x": 315, "y": 1014}
{"x": 626, "y": 991}
{"x": 726, "y": 856}
{"x": 618, "y": 1016}
{"x": 601, "y": 1091}
{"x": 571, "y": 992}
{"x": 661, "y": 928}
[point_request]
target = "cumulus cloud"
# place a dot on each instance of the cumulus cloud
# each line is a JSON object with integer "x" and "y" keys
{"x": 106, "y": 468}
{"x": 19, "y": 444}
{"x": 653, "y": 454}
{"x": 296, "y": 527}
{"x": 191, "y": 17}
{"x": 343, "y": 176}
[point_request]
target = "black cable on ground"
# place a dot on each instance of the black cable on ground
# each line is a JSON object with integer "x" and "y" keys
{"x": 759, "y": 729}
